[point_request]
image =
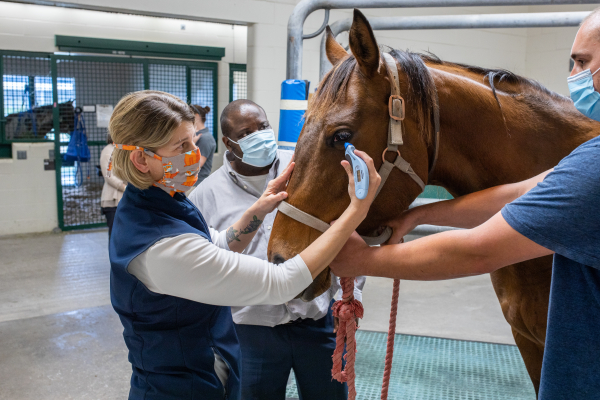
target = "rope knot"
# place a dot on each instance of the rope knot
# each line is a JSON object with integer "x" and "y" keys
{"x": 348, "y": 310}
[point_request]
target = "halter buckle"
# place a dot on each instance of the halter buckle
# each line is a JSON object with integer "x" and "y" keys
{"x": 393, "y": 105}
{"x": 385, "y": 151}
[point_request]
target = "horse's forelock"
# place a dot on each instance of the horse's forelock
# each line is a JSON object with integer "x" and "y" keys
{"x": 333, "y": 87}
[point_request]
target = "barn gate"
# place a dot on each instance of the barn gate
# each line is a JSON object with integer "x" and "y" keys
{"x": 40, "y": 96}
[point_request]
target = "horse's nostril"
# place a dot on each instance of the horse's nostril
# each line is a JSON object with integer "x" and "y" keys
{"x": 278, "y": 259}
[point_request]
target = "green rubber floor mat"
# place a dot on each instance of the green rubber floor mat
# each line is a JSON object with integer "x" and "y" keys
{"x": 428, "y": 368}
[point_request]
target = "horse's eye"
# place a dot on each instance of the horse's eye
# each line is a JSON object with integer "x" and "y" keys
{"x": 341, "y": 136}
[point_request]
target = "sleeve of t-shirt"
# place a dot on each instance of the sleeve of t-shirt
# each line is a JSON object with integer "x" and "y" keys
{"x": 562, "y": 213}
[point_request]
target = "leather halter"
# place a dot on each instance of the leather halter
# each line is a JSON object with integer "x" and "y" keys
{"x": 397, "y": 111}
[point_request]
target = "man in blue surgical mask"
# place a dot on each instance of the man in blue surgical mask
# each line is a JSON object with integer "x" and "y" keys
{"x": 555, "y": 213}
{"x": 584, "y": 81}
{"x": 274, "y": 339}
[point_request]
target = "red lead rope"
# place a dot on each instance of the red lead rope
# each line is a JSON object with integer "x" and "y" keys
{"x": 389, "y": 352}
{"x": 347, "y": 310}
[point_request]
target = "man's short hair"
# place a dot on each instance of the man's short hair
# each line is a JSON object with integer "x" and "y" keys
{"x": 592, "y": 15}
{"x": 230, "y": 109}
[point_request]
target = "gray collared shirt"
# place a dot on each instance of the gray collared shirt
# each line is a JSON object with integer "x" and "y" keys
{"x": 222, "y": 198}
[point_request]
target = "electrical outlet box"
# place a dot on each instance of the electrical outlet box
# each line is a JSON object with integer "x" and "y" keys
{"x": 21, "y": 154}
{"x": 49, "y": 165}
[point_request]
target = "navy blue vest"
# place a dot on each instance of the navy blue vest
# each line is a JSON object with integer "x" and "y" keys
{"x": 171, "y": 340}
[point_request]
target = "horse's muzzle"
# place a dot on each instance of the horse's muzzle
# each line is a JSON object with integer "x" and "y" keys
{"x": 278, "y": 259}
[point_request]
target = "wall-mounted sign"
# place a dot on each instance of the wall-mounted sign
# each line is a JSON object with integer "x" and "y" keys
{"x": 103, "y": 113}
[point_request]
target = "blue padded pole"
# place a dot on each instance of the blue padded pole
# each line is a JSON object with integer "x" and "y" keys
{"x": 294, "y": 101}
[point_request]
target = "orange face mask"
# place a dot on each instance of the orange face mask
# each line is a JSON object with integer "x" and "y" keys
{"x": 180, "y": 171}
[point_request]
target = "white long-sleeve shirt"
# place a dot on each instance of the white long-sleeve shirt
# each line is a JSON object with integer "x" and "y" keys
{"x": 191, "y": 267}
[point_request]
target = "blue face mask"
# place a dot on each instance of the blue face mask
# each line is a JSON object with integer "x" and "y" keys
{"x": 583, "y": 94}
{"x": 260, "y": 148}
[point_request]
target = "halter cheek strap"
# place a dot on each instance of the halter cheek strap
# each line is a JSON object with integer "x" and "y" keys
{"x": 397, "y": 111}
{"x": 321, "y": 226}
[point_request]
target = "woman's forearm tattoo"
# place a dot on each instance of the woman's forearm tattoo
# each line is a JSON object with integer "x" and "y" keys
{"x": 252, "y": 225}
{"x": 233, "y": 235}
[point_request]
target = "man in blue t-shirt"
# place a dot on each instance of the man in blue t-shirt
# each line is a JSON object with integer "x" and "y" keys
{"x": 556, "y": 212}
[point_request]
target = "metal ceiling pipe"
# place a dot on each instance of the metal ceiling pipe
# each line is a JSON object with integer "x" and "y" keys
{"x": 483, "y": 21}
{"x": 306, "y": 7}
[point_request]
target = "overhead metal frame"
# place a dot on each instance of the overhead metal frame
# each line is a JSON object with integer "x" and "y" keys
{"x": 481, "y": 21}
{"x": 295, "y": 35}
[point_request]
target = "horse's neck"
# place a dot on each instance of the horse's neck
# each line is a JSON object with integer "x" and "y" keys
{"x": 478, "y": 151}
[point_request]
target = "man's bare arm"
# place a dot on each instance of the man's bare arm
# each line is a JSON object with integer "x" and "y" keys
{"x": 466, "y": 211}
{"x": 447, "y": 255}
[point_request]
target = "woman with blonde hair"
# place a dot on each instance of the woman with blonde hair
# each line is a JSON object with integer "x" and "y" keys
{"x": 172, "y": 277}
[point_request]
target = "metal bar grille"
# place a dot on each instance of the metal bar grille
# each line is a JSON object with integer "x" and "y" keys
{"x": 26, "y": 98}
{"x": 32, "y": 83}
{"x": 203, "y": 94}
{"x": 238, "y": 82}
{"x": 168, "y": 78}
{"x": 92, "y": 87}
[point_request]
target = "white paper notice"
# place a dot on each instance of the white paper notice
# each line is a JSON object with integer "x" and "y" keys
{"x": 103, "y": 113}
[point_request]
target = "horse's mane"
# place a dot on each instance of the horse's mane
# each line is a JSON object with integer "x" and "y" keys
{"x": 421, "y": 91}
{"x": 498, "y": 76}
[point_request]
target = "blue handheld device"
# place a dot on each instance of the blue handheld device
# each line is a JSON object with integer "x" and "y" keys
{"x": 361, "y": 172}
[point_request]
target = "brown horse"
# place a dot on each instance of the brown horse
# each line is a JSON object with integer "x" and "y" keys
{"x": 496, "y": 128}
{"x": 21, "y": 125}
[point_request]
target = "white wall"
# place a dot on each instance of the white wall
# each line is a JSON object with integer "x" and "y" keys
{"x": 28, "y": 192}
{"x": 32, "y": 28}
{"x": 549, "y": 50}
{"x": 538, "y": 53}
{"x": 547, "y": 58}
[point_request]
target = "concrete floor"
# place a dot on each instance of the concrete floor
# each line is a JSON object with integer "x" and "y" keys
{"x": 60, "y": 339}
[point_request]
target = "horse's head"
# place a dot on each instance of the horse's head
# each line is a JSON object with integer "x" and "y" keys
{"x": 351, "y": 105}
{"x": 45, "y": 117}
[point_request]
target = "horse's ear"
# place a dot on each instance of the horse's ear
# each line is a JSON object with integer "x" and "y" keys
{"x": 335, "y": 51}
{"x": 363, "y": 44}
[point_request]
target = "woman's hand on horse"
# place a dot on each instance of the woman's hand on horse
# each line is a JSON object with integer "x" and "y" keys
{"x": 275, "y": 192}
{"x": 374, "y": 181}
